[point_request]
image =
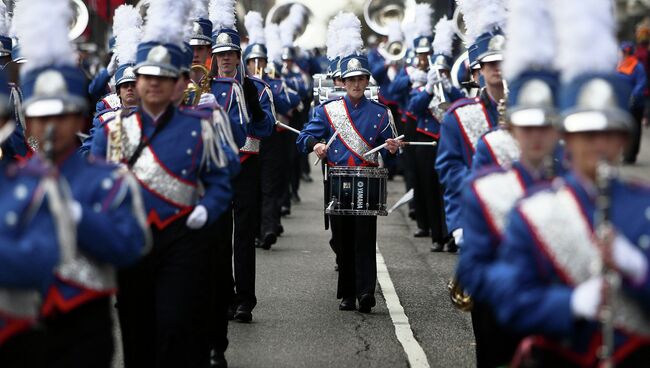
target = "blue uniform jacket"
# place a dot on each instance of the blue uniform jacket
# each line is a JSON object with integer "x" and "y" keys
{"x": 179, "y": 149}
{"x": 418, "y": 109}
{"x": 455, "y": 151}
{"x": 98, "y": 87}
{"x": 284, "y": 98}
{"x": 98, "y": 121}
{"x": 296, "y": 82}
{"x": 370, "y": 119}
{"x": 481, "y": 232}
{"x": 223, "y": 90}
{"x": 534, "y": 296}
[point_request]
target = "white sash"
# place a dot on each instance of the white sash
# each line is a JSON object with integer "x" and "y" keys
{"x": 338, "y": 116}
{"x": 473, "y": 121}
{"x": 503, "y": 146}
{"x": 498, "y": 193}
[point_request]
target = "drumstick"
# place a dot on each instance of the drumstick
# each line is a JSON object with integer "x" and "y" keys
{"x": 285, "y": 126}
{"x": 433, "y": 144}
{"x": 381, "y": 146}
{"x": 329, "y": 143}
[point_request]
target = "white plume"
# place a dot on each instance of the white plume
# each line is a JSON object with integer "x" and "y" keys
{"x": 163, "y": 17}
{"x": 350, "y": 41}
{"x": 290, "y": 25}
{"x": 586, "y": 37}
{"x": 394, "y": 31}
{"x": 332, "y": 38}
{"x": 471, "y": 14}
{"x": 199, "y": 10}
{"x": 273, "y": 43}
{"x": 423, "y": 13}
{"x": 443, "y": 42}
{"x": 255, "y": 27}
{"x": 222, "y": 14}
{"x": 531, "y": 37}
{"x": 493, "y": 15}
{"x": 127, "y": 28}
{"x": 408, "y": 29}
{"x": 42, "y": 27}
{"x": 5, "y": 21}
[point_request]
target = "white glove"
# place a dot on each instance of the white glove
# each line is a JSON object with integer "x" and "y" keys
{"x": 432, "y": 79}
{"x": 417, "y": 76}
{"x": 629, "y": 259}
{"x": 208, "y": 99}
{"x": 458, "y": 236}
{"x": 197, "y": 218}
{"x": 112, "y": 65}
{"x": 75, "y": 211}
{"x": 586, "y": 298}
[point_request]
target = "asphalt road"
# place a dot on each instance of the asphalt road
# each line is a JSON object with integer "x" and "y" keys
{"x": 297, "y": 322}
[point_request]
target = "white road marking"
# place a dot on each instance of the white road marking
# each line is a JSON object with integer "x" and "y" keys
{"x": 414, "y": 352}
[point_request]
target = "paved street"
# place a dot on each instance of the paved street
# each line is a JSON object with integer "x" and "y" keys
{"x": 297, "y": 322}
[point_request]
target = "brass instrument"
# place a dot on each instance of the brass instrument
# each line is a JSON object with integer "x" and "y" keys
{"x": 459, "y": 25}
{"x": 439, "y": 103}
{"x": 115, "y": 147}
{"x": 459, "y": 297}
{"x": 79, "y": 20}
{"x": 379, "y": 13}
{"x": 259, "y": 72}
{"x": 502, "y": 106}
{"x": 203, "y": 86}
{"x": 611, "y": 278}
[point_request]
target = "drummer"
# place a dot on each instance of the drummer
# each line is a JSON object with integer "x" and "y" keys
{"x": 361, "y": 125}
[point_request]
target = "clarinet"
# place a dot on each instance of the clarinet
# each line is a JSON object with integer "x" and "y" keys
{"x": 611, "y": 279}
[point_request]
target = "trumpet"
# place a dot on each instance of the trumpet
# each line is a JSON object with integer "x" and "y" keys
{"x": 203, "y": 86}
{"x": 459, "y": 297}
{"x": 439, "y": 103}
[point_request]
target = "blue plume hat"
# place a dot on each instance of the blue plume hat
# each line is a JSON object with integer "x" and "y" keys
{"x": 532, "y": 100}
{"x": 226, "y": 39}
{"x": 354, "y": 65}
{"x": 54, "y": 90}
{"x": 201, "y": 32}
{"x": 161, "y": 60}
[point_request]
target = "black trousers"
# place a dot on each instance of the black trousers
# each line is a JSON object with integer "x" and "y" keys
{"x": 635, "y": 142}
{"x": 220, "y": 235}
{"x": 409, "y": 166}
{"x": 430, "y": 209}
{"x": 495, "y": 346}
{"x": 356, "y": 240}
{"x": 164, "y": 300}
{"x": 81, "y": 338}
{"x": 274, "y": 179}
{"x": 246, "y": 212}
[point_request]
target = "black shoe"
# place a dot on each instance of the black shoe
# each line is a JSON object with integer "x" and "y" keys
{"x": 451, "y": 246}
{"x": 336, "y": 268}
{"x": 269, "y": 239}
{"x": 348, "y": 304}
{"x": 306, "y": 178}
{"x": 366, "y": 302}
{"x": 421, "y": 233}
{"x": 412, "y": 214}
{"x": 243, "y": 314}
{"x": 437, "y": 247}
{"x": 280, "y": 230}
{"x": 218, "y": 360}
{"x": 295, "y": 198}
{"x": 285, "y": 211}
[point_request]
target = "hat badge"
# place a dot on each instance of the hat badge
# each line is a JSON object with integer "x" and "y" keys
{"x": 50, "y": 83}
{"x": 440, "y": 60}
{"x": 597, "y": 94}
{"x": 224, "y": 38}
{"x": 423, "y": 42}
{"x": 129, "y": 73}
{"x": 257, "y": 49}
{"x": 196, "y": 28}
{"x": 159, "y": 54}
{"x": 536, "y": 93}
{"x": 497, "y": 43}
{"x": 354, "y": 64}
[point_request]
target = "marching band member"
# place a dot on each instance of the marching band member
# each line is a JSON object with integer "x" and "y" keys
{"x": 273, "y": 149}
{"x": 492, "y": 192}
{"x": 100, "y": 85}
{"x": 104, "y": 202}
{"x": 164, "y": 300}
{"x": 226, "y": 52}
{"x": 361, "y": 125}
{"x": 127, "y": 24}
{"x": 427, "y": 190}
{"x": 467, "y": 119}
{"x": 577, "y": 280}
{"x": 633, "y": 72}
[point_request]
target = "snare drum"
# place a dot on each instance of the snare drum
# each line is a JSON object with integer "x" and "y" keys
{"x": 357, "y": 191}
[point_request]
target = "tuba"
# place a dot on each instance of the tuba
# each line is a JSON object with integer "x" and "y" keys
{"x": 79, "y": 20}
{"x": 379, "y": 13}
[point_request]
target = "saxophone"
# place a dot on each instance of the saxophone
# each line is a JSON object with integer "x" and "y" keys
{"x": 203, "y": 86}
{"x": 611, "y": 279}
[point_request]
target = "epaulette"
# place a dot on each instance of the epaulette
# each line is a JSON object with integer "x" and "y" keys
{"x": 378, "y": 104}
{"x": 102, "y": 112}
{"x": 255, "y": 79}
{"x": 330, "y": 101}
{"x": 113, "y": 117}
{"x": 225, "y": 80}
{"x": 196, "y": 113}
{"x": 463, "y": 102}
